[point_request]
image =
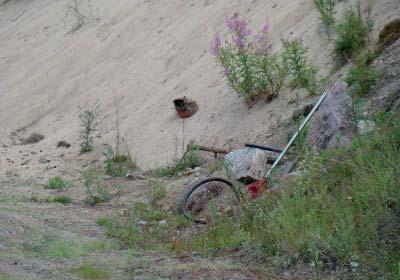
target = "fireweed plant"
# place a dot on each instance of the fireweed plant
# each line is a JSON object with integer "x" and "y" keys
{"x": 252, "y": 71}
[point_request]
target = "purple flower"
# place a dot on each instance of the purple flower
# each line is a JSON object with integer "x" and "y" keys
{"x": 239, "y": 42}
{"x": 216, "y": 46}
{"x": 238, "y": 26}
{"x": 261, "y": 40}
{"x": 265, "y": 29}
{"x": 227, "y": 71}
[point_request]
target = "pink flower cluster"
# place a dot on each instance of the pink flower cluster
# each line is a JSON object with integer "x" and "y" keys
{"x": 241, "y": 34}
{"x": 238, "y": 27}
{"x": 216, "y": 46}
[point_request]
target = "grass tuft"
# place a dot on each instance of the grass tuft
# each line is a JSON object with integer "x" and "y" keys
{"x": 90, "y": 272}
{"x": 352, "y": 35}
{"x": 326, "y": 9}
{"x": 57, "y": 183}
{"x": 190, "y": 160}
{"x": 96, "y": 191}
{"x": 63, "y": 199}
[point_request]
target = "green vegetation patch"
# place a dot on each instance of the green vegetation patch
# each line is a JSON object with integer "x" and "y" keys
{"x": 63, "y": 199}
{"x": 90, "y": 272}
{"x": 190, "y": 160}
{"x": 57, "y": 183}
{"x": 352, "y": 35}
{"x": 340, "y": 214}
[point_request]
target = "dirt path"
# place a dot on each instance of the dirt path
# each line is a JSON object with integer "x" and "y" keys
{"x": 47, "y": 240}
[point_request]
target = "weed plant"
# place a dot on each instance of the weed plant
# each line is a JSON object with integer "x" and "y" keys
{"x": 302, "y": 73}
{"x": 326, "y": 10}
{"x": 117, "y": 165}
{"x": 96, "y": 191}
{"x": 90, "y": 120}
{"x": 57, "y": 183}
{"x": 352, "y": 35}
{"x": 190, "y": 160}
{"x": 361, "y": 77}
{"x": 63, "y": 199}
{"x": 249, "y": 67}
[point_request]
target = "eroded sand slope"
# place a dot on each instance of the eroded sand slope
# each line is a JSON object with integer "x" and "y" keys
{"x": 148, "y": 53}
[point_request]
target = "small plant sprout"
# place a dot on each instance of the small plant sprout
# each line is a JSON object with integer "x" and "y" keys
{"x": 248, "y": 65}
{"x": 302, "y": 73}
{"x": 90, "y": 120}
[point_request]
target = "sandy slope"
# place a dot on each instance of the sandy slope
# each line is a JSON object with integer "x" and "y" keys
{"x": 147, "y": 52}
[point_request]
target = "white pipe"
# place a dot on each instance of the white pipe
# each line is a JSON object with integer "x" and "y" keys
{"x": 306, "y": 120}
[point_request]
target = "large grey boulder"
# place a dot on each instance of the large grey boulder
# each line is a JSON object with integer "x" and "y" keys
{"x": 247, "y": 164}
{"x": 333, "y": 125}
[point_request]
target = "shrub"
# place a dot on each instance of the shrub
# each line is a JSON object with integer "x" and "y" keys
{"x": 62, "y": 199}
{"x": 361, "y": 77}
{"x": 96, "y": 192}
{"x": 90, "y": 123}
{"x": 251, "y": 70}
{"x": 302, "y": 73}
{"x": 57, "y": 183}
{"x": 352, "y": 35}
{"x": 326, "y": 9}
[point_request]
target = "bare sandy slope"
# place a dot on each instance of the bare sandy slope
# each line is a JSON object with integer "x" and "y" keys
{"x": 148, "y": 53}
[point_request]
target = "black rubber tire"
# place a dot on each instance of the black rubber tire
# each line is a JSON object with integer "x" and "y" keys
{"x": 194, "y": 186}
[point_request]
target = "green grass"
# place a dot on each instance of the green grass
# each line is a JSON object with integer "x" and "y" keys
{"x": 326, "y": 10}
{"x": 63, "y": 199}
{"x": 190, "y": 160}
{"x": 57, "y": 183}
{"x": 4, "y": 276}
{"x": 64, "y": 248}
{"x": 90, "y": 272}
{"x": 152, "y": 235}
{"x": 96, "y": 191}
{"x": 343, "y": 209}
{"x": 361, "y": 77}
{"x": 216, "y": 165}
{"x": 352, "y": 35}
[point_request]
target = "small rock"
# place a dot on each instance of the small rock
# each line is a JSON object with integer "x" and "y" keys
{"x": 63, "y": 144}
{"x": 162, "y": 222}
{"x": 33, "y": 138}
{"x": 44, "y": 160}
{"x": 364, "y": 127}
{"x": 142, "y": 223}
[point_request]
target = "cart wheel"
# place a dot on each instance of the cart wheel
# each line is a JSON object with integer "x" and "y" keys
{"x": 196, "y": 201}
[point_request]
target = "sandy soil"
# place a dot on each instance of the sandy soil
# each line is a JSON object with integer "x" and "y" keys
{"x": 147, "y": 53}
